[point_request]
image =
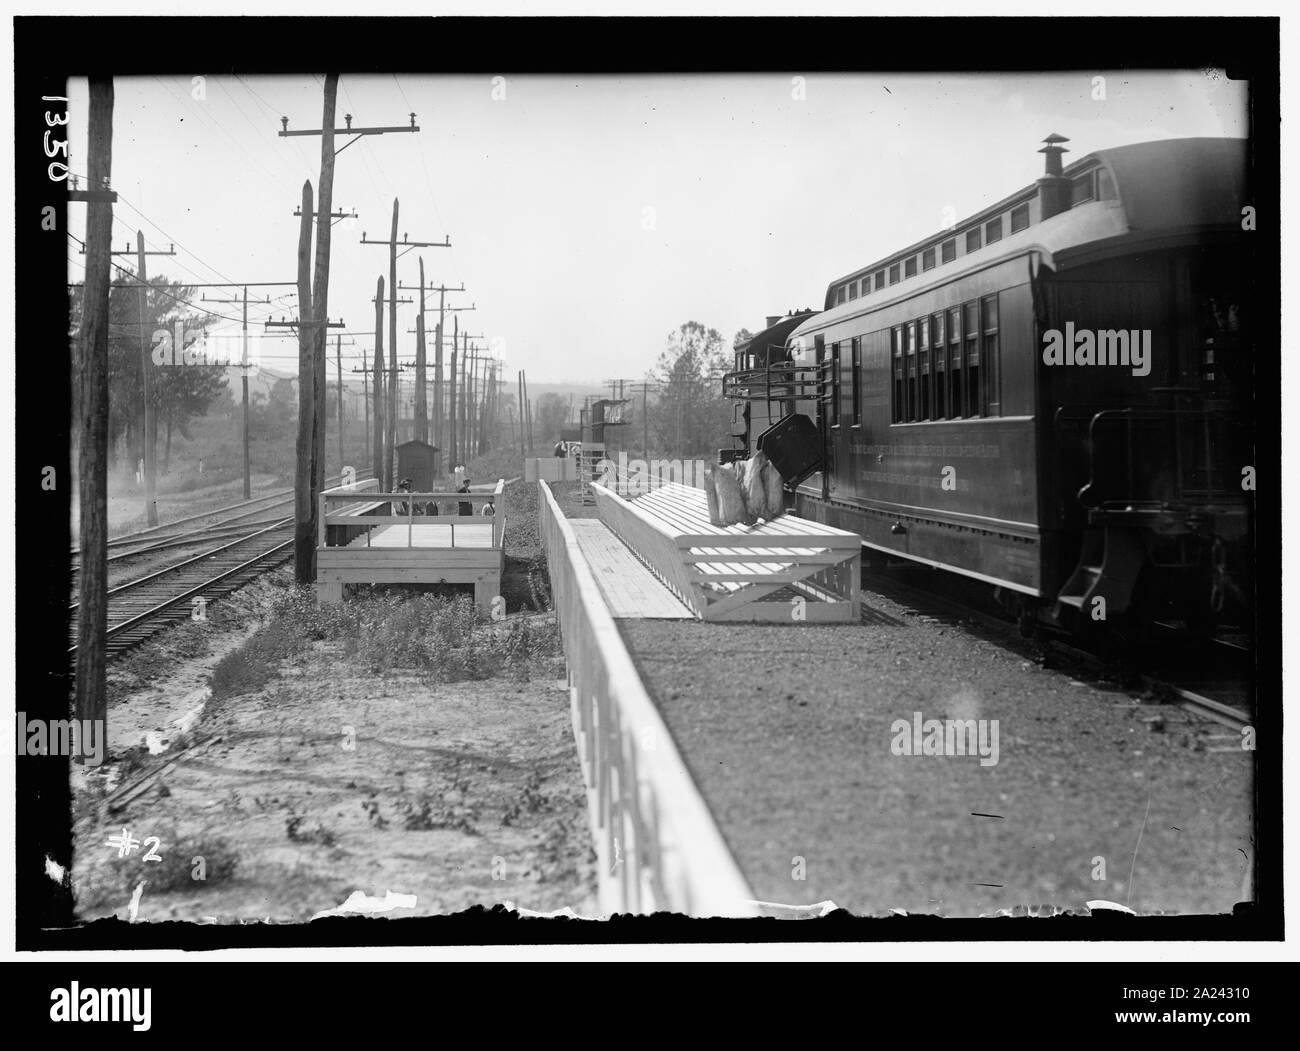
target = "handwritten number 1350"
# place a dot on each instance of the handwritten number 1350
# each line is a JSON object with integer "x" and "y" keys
{"x": 53, "y": 149}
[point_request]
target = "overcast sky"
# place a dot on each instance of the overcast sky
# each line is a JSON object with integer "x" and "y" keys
{"x": 590, "y": 216}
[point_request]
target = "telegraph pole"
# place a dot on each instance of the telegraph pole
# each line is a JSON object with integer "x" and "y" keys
{"x": 476, "y": 383}
{"x": 244, "y": 368}
{"x": 392, "y": 409}
{"x": 313, "y": 306}
{"x": 645, "y": 415}
{"x": 442, "y": 291}
{"x": 149, "y": 422}
{"x": 421, "y": 411}
{"x": 392, "y": 356}
{"x": 463, "y": 408}
{"x": 338, "y": 367}
{"x": 393, "y": 244}
{"x": 365, "y": 398}
{"x": 377, "y": 448}
{"x": 304, "y": 538}
{"x": 522, "y": 451}
{"x": 455, "y": 339}
{"x": 248, "y": 475}
{"x": 92, "y": 466}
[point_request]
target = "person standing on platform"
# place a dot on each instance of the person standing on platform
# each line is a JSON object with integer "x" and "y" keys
{"x": 466, "y": 508}
{"x": 404, "y": 486}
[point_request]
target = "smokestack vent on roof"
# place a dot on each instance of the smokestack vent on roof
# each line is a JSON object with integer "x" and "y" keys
{"x": 772, "y": 319}
{"x": 1053, "y": 187}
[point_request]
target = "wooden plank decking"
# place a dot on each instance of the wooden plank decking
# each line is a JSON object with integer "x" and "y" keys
{"x": 739, "y": 572}
{"x": 629, "y": 588}
{"x": 395, "y": 548}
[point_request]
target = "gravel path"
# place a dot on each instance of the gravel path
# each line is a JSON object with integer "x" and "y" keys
{"x": 788, "y": 731}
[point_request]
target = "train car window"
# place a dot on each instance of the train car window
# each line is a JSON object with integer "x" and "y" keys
{"x": 939, "y": 349}
{"x": 924, "y": 411}
{"x": 835, "y": 384}
{"x": 1105, "y": 185}
{"x": 819, "y": 356}
{"x": 973, "y": 240}
{"x": 897, "y": 409}
{"x": 856, "y": 382}
{"x": 909, "y": 267}
{"x": 970, "y": 329}
{"x": 910, "y": 330}
{"x": 993, "y": 230}
{"x": 954, "y": 363}
{"x": 880, "y": 279}
{"x": 1019, "y": 218}
{"x": 1082, "y": 188}
{"x": 853, "y": 290}
{"x": 893, "y": 274}
{"x": 839, "y": 294}
{"x": 927, "y": 259}
{"x": 989, "y": 353}
{"x": 948, "y": 250}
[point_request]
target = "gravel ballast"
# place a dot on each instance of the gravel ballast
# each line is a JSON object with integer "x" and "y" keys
{"x": 789, "y": 733}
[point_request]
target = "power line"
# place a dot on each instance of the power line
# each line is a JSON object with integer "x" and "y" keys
{"x": 173, "y": 240}
{"x": 214, "y": 122}
{"x": 178, "y": 299}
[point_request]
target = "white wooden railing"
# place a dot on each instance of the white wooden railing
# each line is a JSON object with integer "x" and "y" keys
{"x": 403, "y": 508}
{"x": 657, "y": 845}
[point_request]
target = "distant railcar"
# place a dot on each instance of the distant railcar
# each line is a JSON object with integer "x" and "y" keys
{"x": 1052, "y": 396}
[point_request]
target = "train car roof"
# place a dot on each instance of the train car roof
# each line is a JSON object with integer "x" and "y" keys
{"x": 776, "y": 335}
{"x": 1168, "y": 185}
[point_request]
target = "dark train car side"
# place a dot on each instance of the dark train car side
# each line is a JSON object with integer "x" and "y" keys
{"x": 1050, "y": 396}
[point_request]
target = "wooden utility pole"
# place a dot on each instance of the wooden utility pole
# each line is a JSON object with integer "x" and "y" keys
{"x": 526, "y": 407}
{"x": 304, "y": 535}
{"x": 645, "y": 416}
{"x": 92, "y": 412}
{"x": 437, "y": 367}
{"x": 377, "y": 452}
{"x": 338, "y": 370}
{"x": 393, "y": 244}
{"x": 433, "y": 433}
{"x": 522, "y": 450}
{"x": 451, "y": 413}
{"x": 365, "y": 402}
{"x": 312, "y": 329}
{"x": 150, "y": 417}
{"x": 471, "y": 410}
{"x": 365, "y": 399}
{"x": 392, "y": 356}
{"x": 148, "y": 420}
{"x": 244, "y": 368}
{"x": 320, "y": 300}
{"x": 248, "y": 477}
{"x": 421, "y": 408}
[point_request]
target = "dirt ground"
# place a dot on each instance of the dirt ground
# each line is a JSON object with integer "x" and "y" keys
{"x": 329, "y": 780}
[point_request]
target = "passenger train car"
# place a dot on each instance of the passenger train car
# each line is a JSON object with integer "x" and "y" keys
{"x": 1053, "y": 396}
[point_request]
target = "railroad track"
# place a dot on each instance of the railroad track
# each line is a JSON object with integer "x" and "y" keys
{"x": 1215, "y": 684}
{"x": 142, "y": 607}
{"x": 159, "y": 536}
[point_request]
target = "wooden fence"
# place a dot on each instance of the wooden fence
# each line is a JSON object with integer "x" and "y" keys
{"x": 657, "y": 845}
